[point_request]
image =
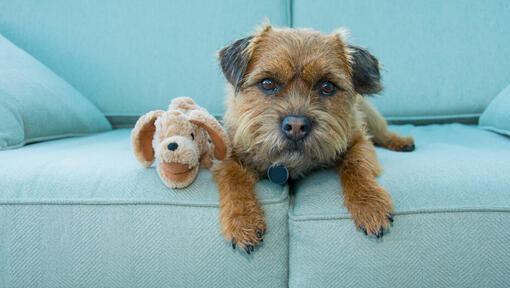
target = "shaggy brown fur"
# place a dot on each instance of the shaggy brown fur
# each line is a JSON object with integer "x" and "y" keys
{"x": 299, "y": 61}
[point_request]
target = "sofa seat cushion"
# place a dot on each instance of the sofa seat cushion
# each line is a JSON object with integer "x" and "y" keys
{"x": 452, "y": 220}
{"x": 83, "y": 212}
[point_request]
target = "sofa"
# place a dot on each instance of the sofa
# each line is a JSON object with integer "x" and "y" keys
{"x": 77, "y": 209}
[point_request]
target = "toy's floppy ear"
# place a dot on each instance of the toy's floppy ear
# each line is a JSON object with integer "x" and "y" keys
{"x": 366, "y": 78}
{"x": 142, "y": 135}
{"x": 215, "y": 131}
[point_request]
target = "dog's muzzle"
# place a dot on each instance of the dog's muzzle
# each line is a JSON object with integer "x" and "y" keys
{"x": 296, "y": 127}
{"x": 175, "y": 171}
{"x": 177, "y": 158}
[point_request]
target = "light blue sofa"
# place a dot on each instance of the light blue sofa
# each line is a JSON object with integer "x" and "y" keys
{"x": 81, "y": 212}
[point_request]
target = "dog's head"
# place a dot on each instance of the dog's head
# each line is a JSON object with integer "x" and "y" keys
{"x": 293, "y": 95}
{"x": 177, "y": 139}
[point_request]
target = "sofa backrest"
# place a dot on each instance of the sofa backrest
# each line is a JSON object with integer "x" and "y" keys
{"x": 130, "y": 57}
{"x": 442, "y": 59}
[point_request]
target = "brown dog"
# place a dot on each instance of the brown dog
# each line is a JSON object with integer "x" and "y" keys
{"x": 297, "y": 104}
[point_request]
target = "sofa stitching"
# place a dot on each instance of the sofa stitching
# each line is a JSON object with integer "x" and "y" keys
{"x": 304, "y": 218}
{"x": 282, "y": 199}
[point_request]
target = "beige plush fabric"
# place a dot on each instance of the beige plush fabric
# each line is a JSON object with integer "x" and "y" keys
{"x": 181, "y": 139}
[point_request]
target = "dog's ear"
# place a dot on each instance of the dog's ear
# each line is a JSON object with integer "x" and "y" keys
{"x": 365, "y": 75}
{"x": 366, "y": 78}
{"x": 142, "y": 135}
{"x": 215, "y": 131}
{"x": 234, "y": 60}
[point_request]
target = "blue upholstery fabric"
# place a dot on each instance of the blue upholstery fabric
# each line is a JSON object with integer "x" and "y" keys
{"x": 37, "y": 105}
{"x": 130, "y": 58}
{"x": 81, "y": 212}
{"x": 496, "y": 116}
{"x": 440, "y": 58}
{"x": 452, "y": 211}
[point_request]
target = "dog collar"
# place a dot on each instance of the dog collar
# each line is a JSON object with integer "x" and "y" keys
{"x": 278, "y": 174}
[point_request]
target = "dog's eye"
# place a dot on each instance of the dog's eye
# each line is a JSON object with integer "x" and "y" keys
{"x": 192, "y": 136}
{"x": 327, "y": 88}
{"x": 268, "y": 86}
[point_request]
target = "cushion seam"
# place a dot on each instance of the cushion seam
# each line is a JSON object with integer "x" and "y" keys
{"x": 431, "y": 117}
{"x": 304, "y": 218}
{"x": 495, "y": 129}
{"x": 48, "y": 138}
{"x": 125, "y": 203}
{"x": 388, "y": 117}
{"x": 101, "y": 202}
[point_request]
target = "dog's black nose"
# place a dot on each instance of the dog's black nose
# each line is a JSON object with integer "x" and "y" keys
{"x": 296, "y": 127}
{"x": 172, "y": 146}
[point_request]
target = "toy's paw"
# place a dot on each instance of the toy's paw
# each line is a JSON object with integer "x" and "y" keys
{"x": 401, "y": 144}
{"x": 373, "y": 217}
{"x": 245, "y": 231}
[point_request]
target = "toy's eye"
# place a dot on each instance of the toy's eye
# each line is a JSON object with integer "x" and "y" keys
{"x": 327, "y": 88}
{"x": 192, "y": 136}
{"x": 268, "y": 86}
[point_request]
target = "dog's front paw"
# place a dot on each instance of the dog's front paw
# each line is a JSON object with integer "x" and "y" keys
{"x": 245, "y": 231}
{"x": 401, "y": 144}
{"x": 373, "y": 215}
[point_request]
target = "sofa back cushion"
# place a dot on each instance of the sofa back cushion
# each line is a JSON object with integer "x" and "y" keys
{"x": 441, "y": 59}
{"x": 37, "y": 105}
{"x": 497, "y": 115}
{"x": 132, "y": 57}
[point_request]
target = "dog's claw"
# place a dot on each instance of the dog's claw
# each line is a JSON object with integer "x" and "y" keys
{"x": 408, "y": 148}
{"x": 259, "y": 235}
{"x": 251, "y": 248}
{"x": 380, "y": 233}
{"x": 362, "y": 228}
{"x": 234, "y": 243}
{"x": 247, "y": 249}
{"x": 390, "y": 217}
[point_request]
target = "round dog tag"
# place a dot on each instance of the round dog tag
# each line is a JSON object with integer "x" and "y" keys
{"x": 278, "y": 174}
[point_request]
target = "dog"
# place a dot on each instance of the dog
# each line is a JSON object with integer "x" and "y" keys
{"x": 296, "y": 103}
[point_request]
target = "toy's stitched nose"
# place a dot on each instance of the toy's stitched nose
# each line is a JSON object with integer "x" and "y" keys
{"x": 172, "y": 146}
{"x": 296, "y": 127}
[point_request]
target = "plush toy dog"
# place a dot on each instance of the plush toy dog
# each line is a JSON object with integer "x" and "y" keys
{"x": 182, "y": 139}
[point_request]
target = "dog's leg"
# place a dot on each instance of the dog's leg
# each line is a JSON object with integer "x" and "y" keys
{"x": 378, "y": 128}
{"x": 368, "y": 203}
{"x": 206, "y": 160}
{"x": 241, "y": 216}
